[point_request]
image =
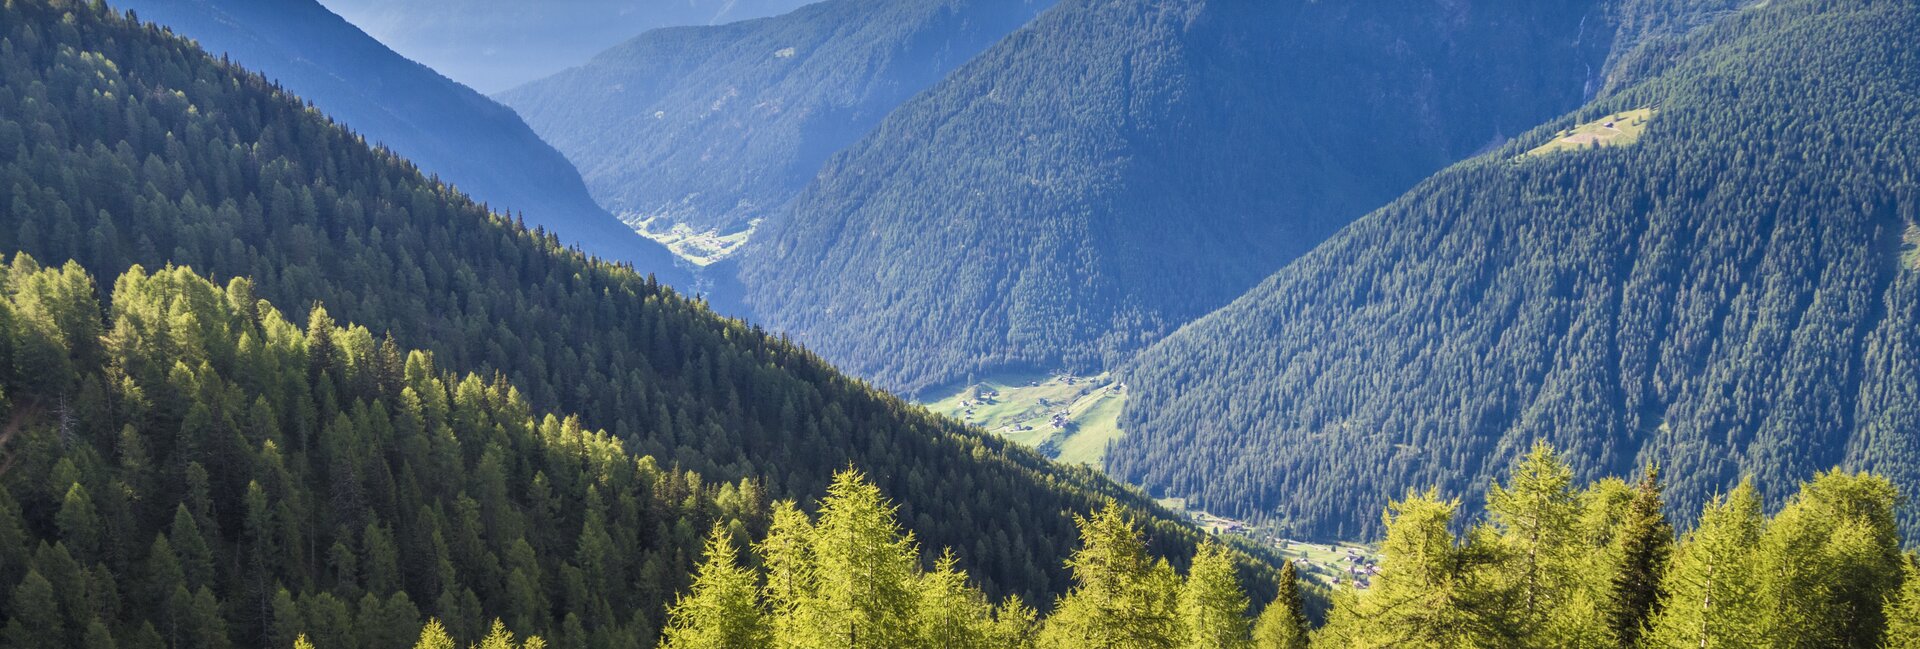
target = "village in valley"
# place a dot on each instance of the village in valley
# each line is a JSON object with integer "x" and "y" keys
{"x": 1072, "y": 419}
{"x": 1332, "y": 564}
{"x": 1067, "y": 417}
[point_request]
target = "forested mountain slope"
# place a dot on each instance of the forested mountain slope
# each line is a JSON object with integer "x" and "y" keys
{"x": 448, "y": 129}
{"x": 493, "y": 45}
{"x": 121, "y": 145}
{"x": 225, "y": 477}
{"x": 1734, "y": 294}
{"x": 1117, "y": 168}
{"x": 714, "y": 127}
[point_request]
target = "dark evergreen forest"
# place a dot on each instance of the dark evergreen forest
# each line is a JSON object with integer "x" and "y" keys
{"x": 719, "y": 126}
{"x": 1733, "y": 295}
{"x": 1115, "y": 169}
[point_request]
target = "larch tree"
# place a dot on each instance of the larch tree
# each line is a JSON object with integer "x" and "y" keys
{"x": 1213, "y": 608}
{"x": 864, "y": 572}
{"x": 722, "y": 611}
{"x": 1829, "y": 560}
{"x": 787, "y": 555}
{"x": 1534, "y": 517}
{"x": 1431, "y": 592}
{"x": 1122, "y": 598}
{"x": 1713, "y": 599}
{"x": 953, "y": 615}
{"x": 433, "y": 636}
{"x": 1903, "y": 610}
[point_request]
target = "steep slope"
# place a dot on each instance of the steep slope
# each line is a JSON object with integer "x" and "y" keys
{"x": 121, "y": 145}
{"x": 493, "y": 45}
{"x": 446, "y": 128}
{"x": 1726, "y": 296}
{"x": 714, "y": 127}
{"x": 1117, "y": 168}
{"x": 232, "y": 478}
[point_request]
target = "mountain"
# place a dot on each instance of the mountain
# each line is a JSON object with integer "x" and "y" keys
{"x": 1117, "y": 168}
{"x": 716, "y": 127}
{"x": 493, "y": 45}
{"x": 1712, "y": 268}
{"x": 121, "y": 145}
{"x": 446, "y": 128}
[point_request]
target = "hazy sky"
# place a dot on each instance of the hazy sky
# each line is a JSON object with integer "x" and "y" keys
{"x": 493, "y": 45}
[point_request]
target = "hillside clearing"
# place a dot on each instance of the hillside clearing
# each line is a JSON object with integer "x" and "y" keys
{"x": 1619, "y": 129}
{"x": 1910, "y": 247}
{"x": 1066, "y": 417}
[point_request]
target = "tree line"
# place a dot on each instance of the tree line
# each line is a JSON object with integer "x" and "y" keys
{"x": 1550, "y": 565}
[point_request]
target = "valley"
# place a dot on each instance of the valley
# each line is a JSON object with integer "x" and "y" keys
{"x": 1496, "y": 323}
{"x": 1332, "y": 564}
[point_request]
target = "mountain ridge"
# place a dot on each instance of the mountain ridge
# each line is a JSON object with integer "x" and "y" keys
{"x": 1114, "y": 169}
{"x": 717, "y": 127}
{"x": 1704, "y": 297}
{"x": 446, "y": 128}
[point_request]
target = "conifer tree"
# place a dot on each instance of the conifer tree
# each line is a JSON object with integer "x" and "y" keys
{"x": 1014, "y": 624}
{"x": 37, "y": 621}
{"x": 196, "y": 558}
{"x": 1640, "y": 553}
{"x": 498, "y": 637}
{"x": 80, "y": 524}
{"x": 1903, "y": 610}
{"x": 1534, "y": 516}
{"x": 1283, "y": 625}
{"x": 98, "y": 636}
{"x": 787, "y": 556}
{"x": 1712, "y": 597}
{"x": 1121, "y": 599}
{"x": 864, "y": 571}
{"x": 950, "y": 613}
{"x": 434, "y": 636}
{"x": 722, "y": 611}
{"x": 1829, "y": 561}
{"x": 1431, "y": 591}
{"x": 1213, "y": 609}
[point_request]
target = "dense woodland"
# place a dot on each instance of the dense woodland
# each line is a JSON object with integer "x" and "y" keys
{"x": 462, "y": 137}
{"x": 1117, "y": 168}
{"x": 718, "y": 126}
{"x": 123, "y": 145}
{"x": 1730, "y": 296}
{"x": 200, "y": 471}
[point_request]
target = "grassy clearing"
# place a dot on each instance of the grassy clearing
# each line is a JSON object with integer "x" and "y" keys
{"x": 1069, "y": 418}
{"x": 1910, "y": 247}
{"x": 701, "y": 248}
{"x": 1619, "y": 129}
